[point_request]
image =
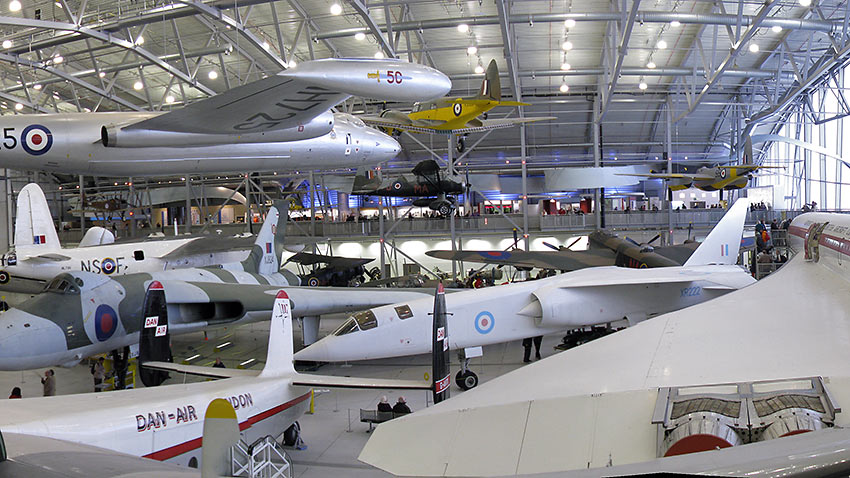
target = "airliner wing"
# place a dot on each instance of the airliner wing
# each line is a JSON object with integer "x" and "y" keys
{"x": 209, "y": 372}
{"x": 593, "y": 406}
{"x": 555, "y": 260}
{"x": 308, "y": 380}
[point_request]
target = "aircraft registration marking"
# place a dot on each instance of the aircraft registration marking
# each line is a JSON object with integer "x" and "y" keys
{"x": 184, "y": 414}
{"x": 694, "y": 291}
{"x": 107, "y": 265}
{"x": 390, "y": 76}
{"x": 484, "y": 322}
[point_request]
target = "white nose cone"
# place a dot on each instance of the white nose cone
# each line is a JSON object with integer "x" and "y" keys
{"x": 391, "y": 79}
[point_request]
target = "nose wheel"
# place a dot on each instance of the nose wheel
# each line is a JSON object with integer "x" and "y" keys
{"x": 465, "y": 379}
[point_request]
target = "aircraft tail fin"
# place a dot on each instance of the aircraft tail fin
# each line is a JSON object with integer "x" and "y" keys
{"x": 441, "y": 375}
{"x": 491, "y": 87}
{"x": 281, "y": 350}
{"x": 154, "y": 340}
{"x": 266, "y": 252}
{"x": 724, "y": 241}
{"x": 221, "y": 432}
{"x": 34, "y": 223}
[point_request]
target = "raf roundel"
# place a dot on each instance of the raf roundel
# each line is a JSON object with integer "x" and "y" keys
{"x": 107, "y": 265}
{"x": 105, "y": 322}
{"x": 495, "y": 254}
{"x": 484, "y": 322}
{"x": 36, "y": 139}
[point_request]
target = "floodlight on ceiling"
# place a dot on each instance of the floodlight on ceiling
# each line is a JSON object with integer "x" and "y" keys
{"x": 58, "y": 59}
{"x": 675, "y": 23}
{"x": 379, "y": 55}
{"x": 566, "y": 66}
{"x": 169, "y": 99}
{"x": 336, "y": 9}
{"x": 7, "y": 44}
{"x": 266, "y": 45}
{"x": 567, "y": 45}
{"x": 661, "y": 44}
{"x": 19, "y": 106}
{"x": 359, "y": 36}
{"x": 14, "y": 6}
{"x": 472, "y": 50}
{"x": 102, "y": 74}
{"x": 650, "y": 64}
{"x": 463, "y": 28}
{"x": 212, "y": 75}
{"x": 36, "y": 86}
{"x": 754, "y": 47}
{"x": 564, "y": 88}
{"x": 138, "y": 85}
{"x": 776, "y": 29}
{"x": 642, "y": 85}
{"x": 479, "y": 68}
{"x": 804, "y": 3}
{"x": 569, "y": 23}
{"x": 293, "y": 63}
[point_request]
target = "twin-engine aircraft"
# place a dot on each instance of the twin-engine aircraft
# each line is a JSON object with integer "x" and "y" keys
{"x": 38, "y": 257}
{"x": 281, "y": 122}
{"x": 81, "y": 314}
{"x": 753, "y": 383}
{"x": 568, "y": 301}
{"x": 452, "y": 115}
{"x": 606, "y": 249}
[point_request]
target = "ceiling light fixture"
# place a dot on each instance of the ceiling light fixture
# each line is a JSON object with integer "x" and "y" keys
{"x": 804, "y": 3}
{"x": 36, "y": 86}
{"x": 661, "y": 44}
{"x": 138, "y": 85}
{"x": 19, "y": 106}
{"x": 567, "y": 45}
{"x": 101, "y": 74}
{"x": 58, "y": 59}
{"x": 379, "y": 55}
{"x": 569, "y": 23}
{"x": 675, "y": 24}
{"x": 7, "y": 44}
{"x": 650, "y": 64}
{"x": 15, "y": 6}
{"x": 140, "y": 41}
{"x": 566, "y": 66}
{"x": 212, "y": 74}
{"x": 359, "y": 36}
{"x": 642, "y": 85}
{"x": 463, "y": 28}
{"x": 293, "y": 63}
{"x": 472, "y": 50}
{"x": 564, "y": 88}
{"x": 479, "y": 68}
{"x": 336, "y": 9}
{"x": 169, "y": 99}
{"x": 754, "y": 47}
{"x": 776, "y": 29}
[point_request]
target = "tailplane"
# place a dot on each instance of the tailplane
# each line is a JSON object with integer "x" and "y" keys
{"x": 265, "y": 254}
{"x": 440, "y": 348}
{"x": 221, "y": 432}
{"x": 723, "y": 242}
{"x": 491, "y": 87}
{"x": 279, "y": 355}
{"x": 34, "y": 223}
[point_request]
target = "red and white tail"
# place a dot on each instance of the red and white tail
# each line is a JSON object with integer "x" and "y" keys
{"x": 279, "y": 356}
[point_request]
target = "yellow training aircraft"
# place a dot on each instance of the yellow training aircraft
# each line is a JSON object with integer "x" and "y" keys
{"x": 453, "y": 115}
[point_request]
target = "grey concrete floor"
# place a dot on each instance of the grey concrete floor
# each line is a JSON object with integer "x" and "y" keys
{"x": 333, "y": 434}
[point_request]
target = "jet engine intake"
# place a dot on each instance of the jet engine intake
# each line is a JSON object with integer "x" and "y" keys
{"x": 700, "y": 432}
{"x": 119, "y": 136}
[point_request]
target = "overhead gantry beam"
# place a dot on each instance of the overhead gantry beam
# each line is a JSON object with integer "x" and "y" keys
{"x": 507, "y": 41}
{"x": 363, "y": 10}
{"x": 622, "y": 50}
{"x": 730, "y": 58}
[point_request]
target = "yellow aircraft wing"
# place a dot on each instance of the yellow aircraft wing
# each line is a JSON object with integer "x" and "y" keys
{"x": 417, "y": 127}
{"x": 488, "y": 102}
{"x": 694, "y": 177}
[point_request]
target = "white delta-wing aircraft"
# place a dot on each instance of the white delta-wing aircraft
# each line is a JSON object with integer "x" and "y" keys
{"x": 165, "y": 423}
{"x": 38, "y": 257}
{"x": 750, "y": 384}
{"x": 591, "y": 296}
{"x": 281, "y": 122}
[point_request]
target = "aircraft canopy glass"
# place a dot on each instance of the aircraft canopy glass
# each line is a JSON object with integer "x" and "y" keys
{"x": 63, "y": 284}
{"x": 360, "y": 321}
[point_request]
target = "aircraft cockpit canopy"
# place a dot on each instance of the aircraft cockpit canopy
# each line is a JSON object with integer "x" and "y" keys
{"x": 360, "y": 321}
{"x": 64, "y": 284}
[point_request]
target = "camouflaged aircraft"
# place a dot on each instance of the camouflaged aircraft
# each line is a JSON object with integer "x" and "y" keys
{"x": 605, "y": 249}
{"x": 82, "y": 313}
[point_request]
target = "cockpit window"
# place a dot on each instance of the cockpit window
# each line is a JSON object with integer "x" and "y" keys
{"x": 358, "y": 122}
{"x": 360, "y": 321}
{"x": 403, "y": 312}
{"x": 61, "y": 285}
{"x": 347, "y": 327}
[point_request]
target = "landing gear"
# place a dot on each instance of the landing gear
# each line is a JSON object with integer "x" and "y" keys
{"x": 466, "y": 379}
{"x": 292, "y": 435}
{"x": 445, "y": 209}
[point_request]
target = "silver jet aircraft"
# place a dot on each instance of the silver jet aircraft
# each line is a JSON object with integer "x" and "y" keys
{"x": 82, "y": 313}
{"x": 281, "y": 122}
{"x": 591, "y": 296}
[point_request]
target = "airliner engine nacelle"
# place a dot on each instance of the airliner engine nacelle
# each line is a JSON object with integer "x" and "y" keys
{"x": 113, "y": 136}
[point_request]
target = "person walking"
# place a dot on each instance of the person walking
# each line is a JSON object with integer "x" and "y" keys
{"x": 48, "y": 383}
{"x": 99, "y": 373}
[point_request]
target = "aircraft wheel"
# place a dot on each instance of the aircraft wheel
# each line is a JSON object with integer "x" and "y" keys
{"x": 444, "y": 210}
{"x": 466, "y": 380}
{"x": 292, "y": 434}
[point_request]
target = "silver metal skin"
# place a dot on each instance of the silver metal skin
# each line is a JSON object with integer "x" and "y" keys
{"x": 76, "y": 148}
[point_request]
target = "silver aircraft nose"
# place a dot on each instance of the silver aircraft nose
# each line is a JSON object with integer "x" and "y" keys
{"x": 386, "y": 147}
{"x": 28, "y": 341}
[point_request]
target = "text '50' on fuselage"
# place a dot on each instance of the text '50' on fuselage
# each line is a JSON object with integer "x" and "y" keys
{"x": 70, "y": 143}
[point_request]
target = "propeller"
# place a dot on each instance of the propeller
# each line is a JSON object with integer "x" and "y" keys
{"x": 562, "y": 248}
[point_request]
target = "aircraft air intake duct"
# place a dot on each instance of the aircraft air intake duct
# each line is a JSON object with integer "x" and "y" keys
{"x": 118, "y": 136}
{"x": 793, "y": 422}
{"x": 700, "y": 432}
{"x": 572, "y": 307}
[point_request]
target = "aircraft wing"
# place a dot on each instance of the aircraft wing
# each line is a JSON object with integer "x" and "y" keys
{"x": 694, "y": 177}
{"x": 209, "y": 245}
{"x": 482, "y": 125}
{"x": 305, "y": 300}
{"x": 555, "y": 260}
{"x": 308, "y": 259}
{"x": 308, "y": 380}
{"x": 794, "y": 323}
{"x": 209, "y": 372}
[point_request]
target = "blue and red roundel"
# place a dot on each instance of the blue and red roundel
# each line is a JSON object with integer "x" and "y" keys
{"x": 107, "y": 265}
{"x": 105, "y": 322}
{"x": 495, "y": 254}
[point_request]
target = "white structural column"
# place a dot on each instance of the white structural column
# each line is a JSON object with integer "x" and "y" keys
{"x": 82, "y": 209}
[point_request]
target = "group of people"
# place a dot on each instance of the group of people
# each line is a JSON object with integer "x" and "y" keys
{"x": 399, "y": 407}
{"x": 759, "y": 206}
